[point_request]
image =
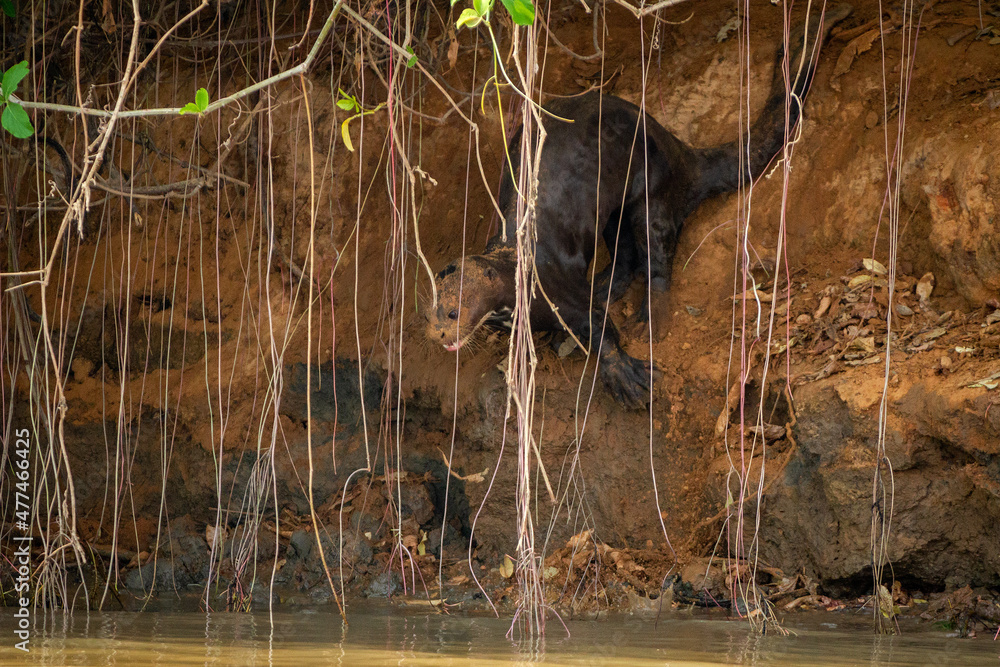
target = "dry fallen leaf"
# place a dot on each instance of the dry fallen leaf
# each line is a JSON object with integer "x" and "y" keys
{"x": 925, "y": 286}
{"x": 866, "y": 344}
{"x": 452, "y": 49}
{"x": 857, "y": 46}
{"x": 885, "y": 603}
{"x": 138, "y": 559}
{"x": 865, "y": 310}
{"x": 824, "y": 305}
{"x": 874, "y": 266}
{"x": 108, "y": 24}
{"x": 928, "y": 336}
{"x": 865, "y": 279}
{"x": 989, "y": 382}
{"x": 579, "y": 540}
{"x": 755, "y": 294}
{"x": 582, "y": 558}
{"x": 210, "y": 534}
{"x": 507, "y": 567}
{"x": 732, "y": 400}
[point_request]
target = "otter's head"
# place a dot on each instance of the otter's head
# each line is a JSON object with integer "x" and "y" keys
{"x": 473, "y": 293}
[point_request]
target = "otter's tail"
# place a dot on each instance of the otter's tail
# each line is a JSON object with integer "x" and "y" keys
{"x": 721, "y": 166}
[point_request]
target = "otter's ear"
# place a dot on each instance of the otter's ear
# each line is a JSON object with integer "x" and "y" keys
{"x": 490, "y": 273}
{"x": 446, "y": 271}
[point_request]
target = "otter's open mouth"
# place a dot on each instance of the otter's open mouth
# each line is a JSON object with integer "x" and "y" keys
{"x": 494, "y": 318}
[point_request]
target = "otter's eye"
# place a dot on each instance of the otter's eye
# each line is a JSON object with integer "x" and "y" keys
{"x": 453, "y": 315}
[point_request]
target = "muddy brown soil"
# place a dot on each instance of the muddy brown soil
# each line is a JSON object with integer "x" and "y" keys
{"x": 181, "y": 322}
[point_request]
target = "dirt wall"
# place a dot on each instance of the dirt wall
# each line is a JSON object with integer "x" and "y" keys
{"x": 186, "y": 343}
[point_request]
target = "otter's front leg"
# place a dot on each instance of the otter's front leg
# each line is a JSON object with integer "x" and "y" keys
{"x": 657, "y": 256}
{"x": 613, "y": 282}
{"x": 628, "y": 379}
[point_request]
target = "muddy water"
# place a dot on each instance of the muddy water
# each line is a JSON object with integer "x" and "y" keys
{"x": 383, "y": 635}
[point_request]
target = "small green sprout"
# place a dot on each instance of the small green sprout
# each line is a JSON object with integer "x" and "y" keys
{"x": 199, "y": 105}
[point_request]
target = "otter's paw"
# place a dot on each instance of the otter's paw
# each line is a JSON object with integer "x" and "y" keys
{"x": 627, "y": 379}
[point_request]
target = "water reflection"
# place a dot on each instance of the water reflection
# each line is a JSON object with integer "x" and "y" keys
{"x": 390, "y": 635}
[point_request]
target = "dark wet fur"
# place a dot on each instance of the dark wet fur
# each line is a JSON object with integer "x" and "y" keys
{"x": 451, "y": 268}
{"x": 592, "y": 181}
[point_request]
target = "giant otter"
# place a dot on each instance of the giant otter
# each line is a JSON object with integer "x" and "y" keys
{"x": 589, "y": 167}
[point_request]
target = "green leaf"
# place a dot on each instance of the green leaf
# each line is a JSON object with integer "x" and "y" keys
{"x": 15, "y": 120}
{"x": 12, "y": 77}
{"x": 468, "y": 18}
{"x": 412, "y": 60}
{"x": 348, "y": 102}
{"x": 199, "y": 105}
{"x": 8, "y": 8}
{"x": 522, "y": 11}
{"x": 482, "y": 8}
{"x": 454, "y": 2}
